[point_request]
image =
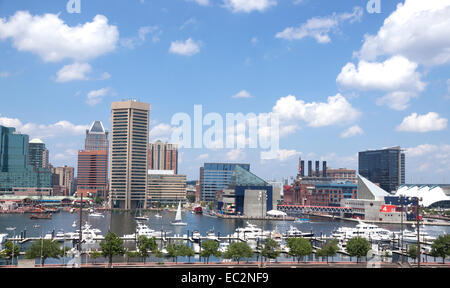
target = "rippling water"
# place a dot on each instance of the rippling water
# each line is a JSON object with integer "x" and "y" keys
{"x": 124, "y": 223}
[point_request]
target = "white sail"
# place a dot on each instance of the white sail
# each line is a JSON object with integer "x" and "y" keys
{"x": 178, "y": 216}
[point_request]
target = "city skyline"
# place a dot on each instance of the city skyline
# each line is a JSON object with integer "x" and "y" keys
{"x": 334, "y": 85}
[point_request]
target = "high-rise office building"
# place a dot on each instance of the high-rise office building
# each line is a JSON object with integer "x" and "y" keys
{"x": 165, "y": 187}
{"x": 215, "y": 177}
{"x": 163, "y": 156}
{"x": 15, "y": 172}
{"x": 129, "y": 149}
{"x": 385, "y": 167}
{"x": 96, "y": 137}
{"x": 37, "y": 154}
{"x": 92, "y": 172}
{"x": 62, "y": 180}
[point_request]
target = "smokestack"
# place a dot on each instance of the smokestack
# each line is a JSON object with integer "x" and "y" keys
{"x": 324, "y": 168}
{"x": 317, "y": 169}
{"x": 303, "y": 168}
{"x": 300, "y": 166}
{"x": 309, "y": 168}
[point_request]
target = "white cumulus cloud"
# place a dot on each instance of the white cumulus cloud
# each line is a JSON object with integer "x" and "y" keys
{"x": 320, "y": 27}
{"x": 247, "y": 6}
{"x": 352, "y": 131}
{"x": 423, "y": 123}
{"x": 337, "y": 110}
{"x": 186, "y": 48}
{"x": 95, "y": 97}
{"x": 75, "y": 71}
{"x": 417, "y": 29}
{"x": 242, "y": 94}
{"x": 49, "y": 37}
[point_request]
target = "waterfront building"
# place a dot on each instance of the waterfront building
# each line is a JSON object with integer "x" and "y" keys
{"x": 38, "y": 154}
{"x": 432, "y": 195}
{"x": 165, "y": 187}
{"x": 92, "y": 173}
{"x": 163, "y": 156}
{"x": 62, "y": 181}
{"x": 331, "y": 194}
{"x": 216, "y": 177}
{"x": 341, "y": 174}
{"x": 96, "y": 137}
{"x": 385, "y": 167}
{"x": 15, "y": 172}
{"x": 375, "y": 204}
{"x": 129, "y": 149}
{"x": 247, "y": 194}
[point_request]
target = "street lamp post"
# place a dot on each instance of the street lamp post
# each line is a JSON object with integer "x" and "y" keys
{"x": 418, "y": 232}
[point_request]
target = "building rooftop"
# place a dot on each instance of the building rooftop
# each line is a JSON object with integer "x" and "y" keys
{"x": 242, "y": 177}
{"x": 36, "y": 141}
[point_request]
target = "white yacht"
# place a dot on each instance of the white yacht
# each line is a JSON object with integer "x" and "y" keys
{"x": 251, "y": 231}
{"x": 411, "y": 236}
{"x": 144, "y": 230}
{"x": 295, "y": 232}
{"x": 96, "y": 214}
{"x": 211, "y": 235}
{"x": 368, "y": 231}
{"x": 87, "y": 233}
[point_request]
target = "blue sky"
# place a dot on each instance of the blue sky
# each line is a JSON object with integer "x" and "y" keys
{"x": 342, "y": 79}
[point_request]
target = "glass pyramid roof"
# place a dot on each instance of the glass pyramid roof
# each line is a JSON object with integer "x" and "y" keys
{"x": 242, "y": 177}
{"x": 97, "y": 127}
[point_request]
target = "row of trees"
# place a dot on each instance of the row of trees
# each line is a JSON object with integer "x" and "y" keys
{"x": 298, "y": 249}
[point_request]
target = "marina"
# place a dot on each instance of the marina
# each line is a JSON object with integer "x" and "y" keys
{"x": 64, "y": 228}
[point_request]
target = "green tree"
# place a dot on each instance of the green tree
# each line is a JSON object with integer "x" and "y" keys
{"x": 210, "y": 248}
{"x": 412, "y": 252}
{"x": 98, "y": 200}
{"x": 270, "y": 249}
{"x": 145, "y": 246}
{"x": 185, "y": 251}
{"x": 191, "y": 198}
{"x": 358, "y": 246}
{"x": 299, "y": 247}
{"x": 95, "y": 255}
{"x": 11, "y": 250}
{"x": 131, "y": 254}
{"x": 173, "y": 251}
{"x": 238, "y": 250}
{"x": 441, "y": 247}
{"x": 331, "y": 249}
{"x": 44, "y": 249}
{"x": 112, "y": 246}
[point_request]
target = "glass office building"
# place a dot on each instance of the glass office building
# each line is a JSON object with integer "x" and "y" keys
{"x": 216, "y": 177}
{"x": 15, "y": 171}
{"x": 384, "y": 167}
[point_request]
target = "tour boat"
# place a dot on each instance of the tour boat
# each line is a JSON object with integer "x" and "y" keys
{"x": 96, "y": 214}
{"x": 178, "y": 221}
{"x": 46, "y": 216}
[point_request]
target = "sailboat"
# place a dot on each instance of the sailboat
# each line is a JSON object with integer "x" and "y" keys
{"x": 140, "y": 217}
{"x": 178, "y": 221}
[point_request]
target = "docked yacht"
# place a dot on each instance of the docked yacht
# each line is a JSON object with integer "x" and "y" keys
{"x": 411, "y": 236}
{"x": 251, "y": 232}
{"x": 295, "y": 232}
{"x": 144, "y": 230}
{"x": 211, "y": 235}
{"x": 369, "y": 231}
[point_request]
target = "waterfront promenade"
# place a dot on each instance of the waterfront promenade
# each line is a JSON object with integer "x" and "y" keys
{"x": 243, "y": 264}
